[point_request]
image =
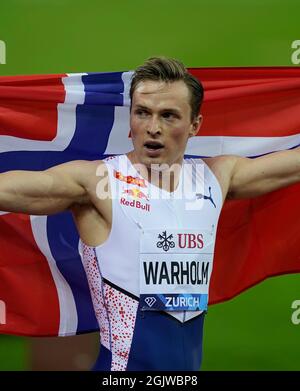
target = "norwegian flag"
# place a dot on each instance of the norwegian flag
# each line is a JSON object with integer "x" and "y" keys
{"x": 48, "y": 120}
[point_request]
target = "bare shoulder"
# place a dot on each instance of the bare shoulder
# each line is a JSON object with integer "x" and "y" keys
{"x": 93, "y": 218}
{"x": 93, "y": 175}
{"x": 222, "y": 166}
{"x": 96, "y": 178}
{"x": 78, "y": 166}
{"x": 79, "y": 177}
{"x": 221, "y": 163}
{"x": 82, "y": 172}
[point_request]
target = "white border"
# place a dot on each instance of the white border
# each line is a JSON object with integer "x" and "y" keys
{"x": 66, "y": 121}
{"x": 68, "y": 312}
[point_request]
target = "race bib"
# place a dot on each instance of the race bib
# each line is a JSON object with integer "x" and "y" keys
{"x": 175, "y": 269}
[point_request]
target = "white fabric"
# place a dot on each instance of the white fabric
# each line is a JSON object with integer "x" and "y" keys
{"x": 118, "y": 257}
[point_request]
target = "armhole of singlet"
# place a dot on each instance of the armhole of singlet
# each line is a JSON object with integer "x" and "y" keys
{"x": 110, "y": 168}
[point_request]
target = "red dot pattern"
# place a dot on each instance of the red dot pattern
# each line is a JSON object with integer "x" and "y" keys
{"x": 122, "y": 311}
{"x": 96, "y": 288}
{"x": 115, "y": 312}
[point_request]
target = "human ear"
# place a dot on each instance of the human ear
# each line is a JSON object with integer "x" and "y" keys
{"x": 197, "y": 122}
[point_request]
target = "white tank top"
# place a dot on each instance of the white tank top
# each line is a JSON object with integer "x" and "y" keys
{"x": 148, "y": 224}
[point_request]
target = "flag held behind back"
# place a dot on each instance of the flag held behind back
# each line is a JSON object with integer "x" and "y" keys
{"x": 48, "y": 120}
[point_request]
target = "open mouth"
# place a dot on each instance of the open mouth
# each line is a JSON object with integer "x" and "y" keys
{"x": 153, "y": 145}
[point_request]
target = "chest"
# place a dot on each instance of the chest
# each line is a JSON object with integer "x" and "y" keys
{"x": 194, "y": 210}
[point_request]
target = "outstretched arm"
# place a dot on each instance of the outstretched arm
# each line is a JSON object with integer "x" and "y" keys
{"x": 254, "y": 177}
{"x": 44, "y": 192}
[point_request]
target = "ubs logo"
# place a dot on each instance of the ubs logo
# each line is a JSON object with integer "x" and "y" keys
{"x": 184, "y": 240}
{"x": 189, "y": 240}
{"x": 165, "y": 242}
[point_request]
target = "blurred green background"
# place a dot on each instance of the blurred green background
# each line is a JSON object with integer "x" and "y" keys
{"x": 254, "y": 331}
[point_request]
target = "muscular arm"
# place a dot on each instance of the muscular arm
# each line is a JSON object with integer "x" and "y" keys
{"x": 44, "y": 192}
{"x": 254, "y": 177}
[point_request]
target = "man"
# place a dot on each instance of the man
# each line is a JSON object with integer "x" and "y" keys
{"x": 147, "y": 245}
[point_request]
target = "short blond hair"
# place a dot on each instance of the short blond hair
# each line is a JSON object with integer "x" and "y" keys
{"x": 169, "y": 70}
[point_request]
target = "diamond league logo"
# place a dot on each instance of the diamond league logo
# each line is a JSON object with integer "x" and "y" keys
{"x": 165, "y": 241}
{"x": 150, "y": 301}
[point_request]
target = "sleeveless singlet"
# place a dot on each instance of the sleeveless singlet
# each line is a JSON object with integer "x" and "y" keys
{"x": 149, "y": 280}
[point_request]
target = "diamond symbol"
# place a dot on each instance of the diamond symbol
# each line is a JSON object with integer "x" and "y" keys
{"x": 150, "y": 301}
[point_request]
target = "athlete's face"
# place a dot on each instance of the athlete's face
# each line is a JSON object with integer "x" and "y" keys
{"x": 160, "y": 122}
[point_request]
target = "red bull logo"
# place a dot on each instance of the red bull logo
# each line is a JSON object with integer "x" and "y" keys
{"x": 130, "y": 179}
{"x": 137, "y": 196}
{"x": 136, "y": 193}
